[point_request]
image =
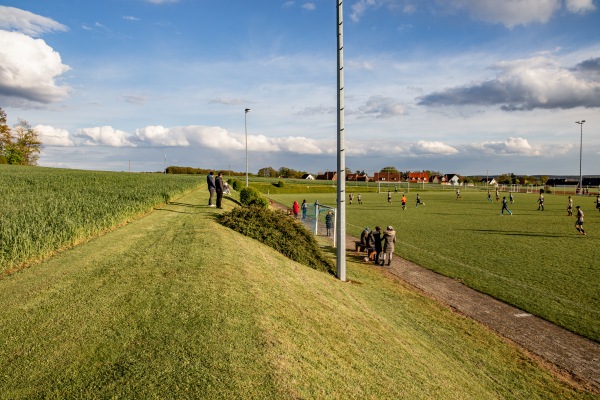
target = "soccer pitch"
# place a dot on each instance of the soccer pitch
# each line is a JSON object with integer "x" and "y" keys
{"x": 533, "y": 259}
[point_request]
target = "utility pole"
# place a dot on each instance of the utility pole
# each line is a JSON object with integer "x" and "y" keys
{"x": 341, "y": 157}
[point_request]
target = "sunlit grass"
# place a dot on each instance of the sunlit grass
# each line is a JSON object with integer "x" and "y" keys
{"x": 532, "y": 259}
{"x": 175, "y": 305}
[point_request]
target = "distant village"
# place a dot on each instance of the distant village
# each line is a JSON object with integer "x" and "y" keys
{"x": 454, "y": 179}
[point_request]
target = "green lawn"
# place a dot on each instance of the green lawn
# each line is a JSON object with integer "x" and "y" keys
{"x": 532, "y": 259}
{"x": 174, "y": 305}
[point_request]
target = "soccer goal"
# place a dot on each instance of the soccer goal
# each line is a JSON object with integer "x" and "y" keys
{"x": 316, "y": 217}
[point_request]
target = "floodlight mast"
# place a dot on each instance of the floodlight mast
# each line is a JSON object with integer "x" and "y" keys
{"x": 580, "y": 154}
{"x": 341, "y": 160}
{"x": 246, "y": 129}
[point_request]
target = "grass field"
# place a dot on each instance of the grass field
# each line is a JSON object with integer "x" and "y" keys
{"x": 45, "y": 209}
{"x": 174, "y": 305}
{"x": 533, "y": 259}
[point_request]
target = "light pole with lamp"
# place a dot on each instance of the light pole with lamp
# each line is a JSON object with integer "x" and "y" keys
{"x": 580, "y": 154}
{"x": 246, "y": 129}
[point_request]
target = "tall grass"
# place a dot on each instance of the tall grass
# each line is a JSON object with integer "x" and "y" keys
{"x": 45, "y": 209}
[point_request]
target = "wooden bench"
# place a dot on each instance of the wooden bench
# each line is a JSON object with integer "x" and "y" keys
{"x": 358, "y": 246}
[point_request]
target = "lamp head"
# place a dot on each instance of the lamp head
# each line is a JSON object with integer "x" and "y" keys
{"x": 247, "y": 109}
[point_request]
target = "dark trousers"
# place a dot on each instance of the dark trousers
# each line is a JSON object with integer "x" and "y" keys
{"x": 219, "y": 198}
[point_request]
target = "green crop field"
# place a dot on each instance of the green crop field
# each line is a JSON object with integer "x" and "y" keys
{"x": 533, "y": 259}
{"x": 45, "y": 209}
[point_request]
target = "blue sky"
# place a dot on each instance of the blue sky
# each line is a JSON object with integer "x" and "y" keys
{"x": 461, "y": 86}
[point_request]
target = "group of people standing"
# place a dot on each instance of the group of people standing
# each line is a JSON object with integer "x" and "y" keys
{"x": 380, "y": 243}
{"x": 215, "y": 186}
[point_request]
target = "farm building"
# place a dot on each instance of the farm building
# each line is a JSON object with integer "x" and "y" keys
{"x": 386, "y": 176}
{"x": 327, "y": 176}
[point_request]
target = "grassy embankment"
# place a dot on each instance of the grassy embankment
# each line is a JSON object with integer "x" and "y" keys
{"x": 533, "y": 259}
{"x": 174, "y": 305}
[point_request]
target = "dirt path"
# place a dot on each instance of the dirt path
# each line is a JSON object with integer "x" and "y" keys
{"x": 571, "y": 355}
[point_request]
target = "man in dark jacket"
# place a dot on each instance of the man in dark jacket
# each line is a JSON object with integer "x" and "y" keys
{"x": 377, "y": 239}
{"x": 219, "y": 189}
{"x": 210, "y": 181}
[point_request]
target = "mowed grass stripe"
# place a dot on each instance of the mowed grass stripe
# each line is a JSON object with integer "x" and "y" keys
{"x": 176, "y": 306}
{"x": 533, "y": 259}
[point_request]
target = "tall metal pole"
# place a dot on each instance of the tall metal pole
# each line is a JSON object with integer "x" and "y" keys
{"x": 341, "y": 159}
{"x": 246, "y": 129}
{"x": 580, "y": 154}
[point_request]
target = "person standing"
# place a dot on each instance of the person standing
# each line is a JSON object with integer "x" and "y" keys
{"x": 329, "y": 222}
{"x": 457, "y": 194}
{"x": 377, "y": 241}
{"x": 489, "y": 197}
{"x": 598, "y": 202}
{"x": 403, "y": 202}
{"x": 497, "y": 195}
{"x": 505, "y": 206}
{"x": 511, "y": 198}
{"x": 350, "y": 197}
{"x": 389, "y": 197}
{"x": 210, "y": 181}
{"x": 418, "y": 200}
{"x": 219, "y": 188}
{"x": 296, "y": 209}
{"x": 359, "y": 198}
{"x": 570, "y": 207}
{"x": 541, "y": 202}
{"x": 579, "y": 222}
{"x": 304, "y": 208}
{"x": 389, "y": 239}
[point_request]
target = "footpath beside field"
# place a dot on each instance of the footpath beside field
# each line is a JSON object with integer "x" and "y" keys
{"x": 575, "y": 355}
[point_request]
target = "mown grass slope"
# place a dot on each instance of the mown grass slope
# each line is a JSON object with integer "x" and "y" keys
{"x": 532, "y": 259}
{"x": 174, "y": 305}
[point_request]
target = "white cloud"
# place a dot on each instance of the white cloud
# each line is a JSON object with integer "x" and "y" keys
{"x": 509, "y": 12}
{"x": 580, "y": 6}
{"x": 518, "y": 146}
{"x": 161, "y": 136}
{"x": 309, "y": 6}
{"x": 538, "y": 82}
{"x": 437, "y": 148}
{"x": 130, "y": 18}
{"x": 106, "y": 136}
{"x": 51, "y": 136}
{"x": 15, "y": 19}
{"x": 29, "y": 69}
{"x": 380, "y": 107}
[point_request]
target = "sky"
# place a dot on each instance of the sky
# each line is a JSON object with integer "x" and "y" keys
{"x": 472, "y": 87}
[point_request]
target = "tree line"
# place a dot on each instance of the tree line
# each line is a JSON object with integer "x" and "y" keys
{"x": 19, "y": 145}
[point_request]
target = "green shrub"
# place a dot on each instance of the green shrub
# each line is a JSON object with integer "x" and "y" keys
{"x": 252, "y": 197}
{"x": 280, "y": 232}
{"x": 236, "y": 185}
{"x": 279, "y": 184}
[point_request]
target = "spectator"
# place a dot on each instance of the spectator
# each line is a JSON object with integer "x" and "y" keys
{"x": 210, "y": 181}
{"x": 389, "y": 239}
